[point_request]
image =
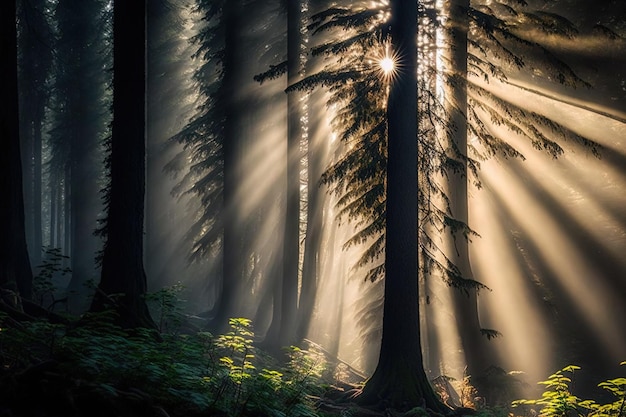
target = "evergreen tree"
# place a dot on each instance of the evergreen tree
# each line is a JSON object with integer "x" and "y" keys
{"x": 80, "y": 128}
{"x": 15, "y": 271}
{"x": 35, "y": 63}
{"x": 399, "y": 379}
{"x": 123, "y": 281}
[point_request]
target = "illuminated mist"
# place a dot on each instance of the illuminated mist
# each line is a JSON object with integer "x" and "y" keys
{"x": 552, "y": 239}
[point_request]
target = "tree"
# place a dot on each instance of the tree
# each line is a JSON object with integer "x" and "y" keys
{"x": 15, "y": 271}
{"x": 35, "y": 62}
{"x": 291, "y": 241}
{"x": 123, "y": 281}
{"x": 400, "y": 379}
{"x": 80, "y": 126}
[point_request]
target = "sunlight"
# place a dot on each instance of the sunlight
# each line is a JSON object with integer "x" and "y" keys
{"x": 387, "y": 65}
{"x": 560, "y": 241}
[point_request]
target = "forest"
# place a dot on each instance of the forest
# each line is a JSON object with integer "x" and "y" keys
{"x": 313, "y": 208}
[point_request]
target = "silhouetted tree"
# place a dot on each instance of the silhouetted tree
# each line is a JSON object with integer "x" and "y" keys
{"x": 15, "y": 271}
{"x": 123, "y": 282}
{"x": 400, "y": 379}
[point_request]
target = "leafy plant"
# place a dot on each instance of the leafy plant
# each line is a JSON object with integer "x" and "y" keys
{"x": 558, "y": 401}
{"x": 166, "y": 307}
{"x": 52, "y": 267}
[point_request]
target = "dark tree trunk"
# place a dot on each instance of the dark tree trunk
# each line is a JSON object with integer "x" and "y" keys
{"x": 399, "y": 380}
{"x": 232, "y": 247}
{"x": 54, "y": 191}
{"x": 37, "y": 246}
{"x": 291, "y": 242}
{"x": 122, "y": 263}
{"x": 67, "y": 211}
{"x": 15, "y": 271}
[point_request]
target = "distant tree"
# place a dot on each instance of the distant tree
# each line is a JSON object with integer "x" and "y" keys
{"x": 216, "y": 139}
{"x": 291, "y": 241}
{"x": 80, "y": 126}
{"x": 35, "y": 56}
{"x": 15, "y": 271}
{"x": 169, "y": 55}
{"x": 123, "y": 282}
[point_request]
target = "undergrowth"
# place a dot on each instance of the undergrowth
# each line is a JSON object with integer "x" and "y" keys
{"x": 197, "y": 373}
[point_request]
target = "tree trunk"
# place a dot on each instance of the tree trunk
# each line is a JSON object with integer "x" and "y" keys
{"x": 477, "y": 349}
{"x": 54, "y": 191}
{"x": 37, "y": 246}
{"x": 123, "y": 283}
{"x": 231, "y": 143}
{"x": 399, "y": 380}
{"x": 314, "y": 221}
{"x": 291, "y": 242}
{"x": 67, "y": 211}
{"x": 15, "y": 271}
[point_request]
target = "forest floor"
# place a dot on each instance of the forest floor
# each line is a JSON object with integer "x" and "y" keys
{"x": 88, "y": 366}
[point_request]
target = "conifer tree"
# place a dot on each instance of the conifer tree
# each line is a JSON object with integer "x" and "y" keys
{"x": 123, "y": 281}
{"x": 80, "y": 126}
{"x": 35, "y": 62}
{"x": 399, "y": 379}
{"x": 15, "y": 271}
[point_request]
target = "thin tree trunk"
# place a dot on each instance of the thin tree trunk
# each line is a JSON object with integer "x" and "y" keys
{"x": 314, "y": 222}
{"x": 37, "y": 246}
{"x": 54, "y": 191}
{"x": 291, "y": 244}
{"x": 67, "y": 214}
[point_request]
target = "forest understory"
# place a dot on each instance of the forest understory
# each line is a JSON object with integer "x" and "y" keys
{"x": 56, "y": 364}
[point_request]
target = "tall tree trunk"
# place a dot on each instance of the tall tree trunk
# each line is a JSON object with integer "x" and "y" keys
{"x": 15, "y": 271}
{"x": 314, "y": 219}
{"x": 54, "y": 192}
{"x": 399, "y": 380}
{"x": 37, "y": 245}
{"x": 291, "y": 242}
{"x": 233, "y": 263}
{"x": 477, "y": 349}
{"x": 26, "y": 150}
{"x": 67, "y": 211}
{"x": 122, "y": 262}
